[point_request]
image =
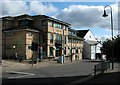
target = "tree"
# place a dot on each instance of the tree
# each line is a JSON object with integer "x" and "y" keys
{"x": 117, "y": 47}
{"x": 111, "y": 45}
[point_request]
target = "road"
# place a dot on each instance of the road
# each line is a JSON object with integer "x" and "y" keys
{"x": 54, "y": 73}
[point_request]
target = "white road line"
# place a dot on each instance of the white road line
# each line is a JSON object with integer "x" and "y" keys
{"x": 25, "y": 74}
{"x": 18, "y": 76}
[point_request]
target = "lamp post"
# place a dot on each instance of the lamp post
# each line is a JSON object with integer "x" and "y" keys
{"x": 63, "y": 45}
{"x": 105, "y": 15}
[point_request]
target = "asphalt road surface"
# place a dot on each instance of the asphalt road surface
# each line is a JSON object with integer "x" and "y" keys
{"x": 59, "y": 74}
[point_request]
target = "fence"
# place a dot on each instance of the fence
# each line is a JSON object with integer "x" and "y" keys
{"x": 101, "y": 67}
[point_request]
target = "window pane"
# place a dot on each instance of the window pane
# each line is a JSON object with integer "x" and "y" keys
{"x": 51, "y": 51}
{"x": 23, "y": 22}
{"x": 65, "y": 40}
{"x": 29, "y": 34}
{"x": 42, "y": 38}
{"x": 58, "y": 26}
{"x": 9, "y": 46}
{"x": 59, "y": 38}
{"x": 9, "y": 34}
{"x": 51, "y": 38}
{"x": 51, "y": 23}
{"x": 29, "y": 47}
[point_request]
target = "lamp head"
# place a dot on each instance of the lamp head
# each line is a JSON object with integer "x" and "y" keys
{"x": 104, "y": 15}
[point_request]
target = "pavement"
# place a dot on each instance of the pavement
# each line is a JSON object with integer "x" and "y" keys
{"x": 111, "y": 77}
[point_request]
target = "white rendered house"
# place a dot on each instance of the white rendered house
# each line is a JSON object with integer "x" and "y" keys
{"x": 0, "y": 40}
{"x": 91, "y": 46}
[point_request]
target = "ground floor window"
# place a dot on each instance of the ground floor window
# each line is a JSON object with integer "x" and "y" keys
{"x": 65, "y": 50}
{"x": 51, "y": 51}
{"x": 29, "y": 47}
{"x": 76, "y": 50}
{"x": 9, "y": 46}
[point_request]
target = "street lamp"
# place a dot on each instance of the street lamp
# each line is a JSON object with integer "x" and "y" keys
{"x": 105, "y": 15}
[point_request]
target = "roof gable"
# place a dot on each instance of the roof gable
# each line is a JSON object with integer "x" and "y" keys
{"x": 82, "y": 33}
{"x": 90, "y": 36}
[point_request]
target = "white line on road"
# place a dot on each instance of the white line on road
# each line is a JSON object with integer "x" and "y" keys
{"x": 25, "y": 74}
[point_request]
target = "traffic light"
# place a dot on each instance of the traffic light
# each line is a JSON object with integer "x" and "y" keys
{"x": 34, "y": 46}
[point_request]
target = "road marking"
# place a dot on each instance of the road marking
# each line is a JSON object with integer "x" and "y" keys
{"x": 25, "y": 74}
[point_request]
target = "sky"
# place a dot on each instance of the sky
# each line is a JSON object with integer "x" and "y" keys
{"x": 81, "y": 15}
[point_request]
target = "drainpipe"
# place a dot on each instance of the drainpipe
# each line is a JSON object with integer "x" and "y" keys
{"x": 95, "y": 50}
{"x": 71, "y": 50}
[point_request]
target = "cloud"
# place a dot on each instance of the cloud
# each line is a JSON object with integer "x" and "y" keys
{"x": 83, "y": 16}
{"x": 40, "y": 8}
{"x": 13, "y": 7}
{"x": 16, "y": 7}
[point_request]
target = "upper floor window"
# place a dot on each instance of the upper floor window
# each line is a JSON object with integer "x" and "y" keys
{"x": 65, "y": 27}
{"x": 9, "y": 34}
{"x": 51, "y": 23}
{"x": 23, "y": 22}
{"x": 69, "y": 40}
{"x": 65, "y": 40}
{"x": 29, "y": 34}
{"x": 75, "y": 33}
{"x": 44, "y": 23}
{"x": 42, "y": 39}
{"x": 58, "y": 38}
{"x": 72, "y": 33}
{"x": 59, "y": 26}
{"x": 51, "y": 38}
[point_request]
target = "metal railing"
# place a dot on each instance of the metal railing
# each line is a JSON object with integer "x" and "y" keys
{"x": 101, "y": 67}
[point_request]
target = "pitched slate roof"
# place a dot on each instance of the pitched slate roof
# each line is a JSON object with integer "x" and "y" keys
{"x": 50, "y": 18}
{"x": 82, "y": 33}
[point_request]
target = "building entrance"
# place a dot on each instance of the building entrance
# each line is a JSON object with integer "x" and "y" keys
{"x": 58, "y": 50}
